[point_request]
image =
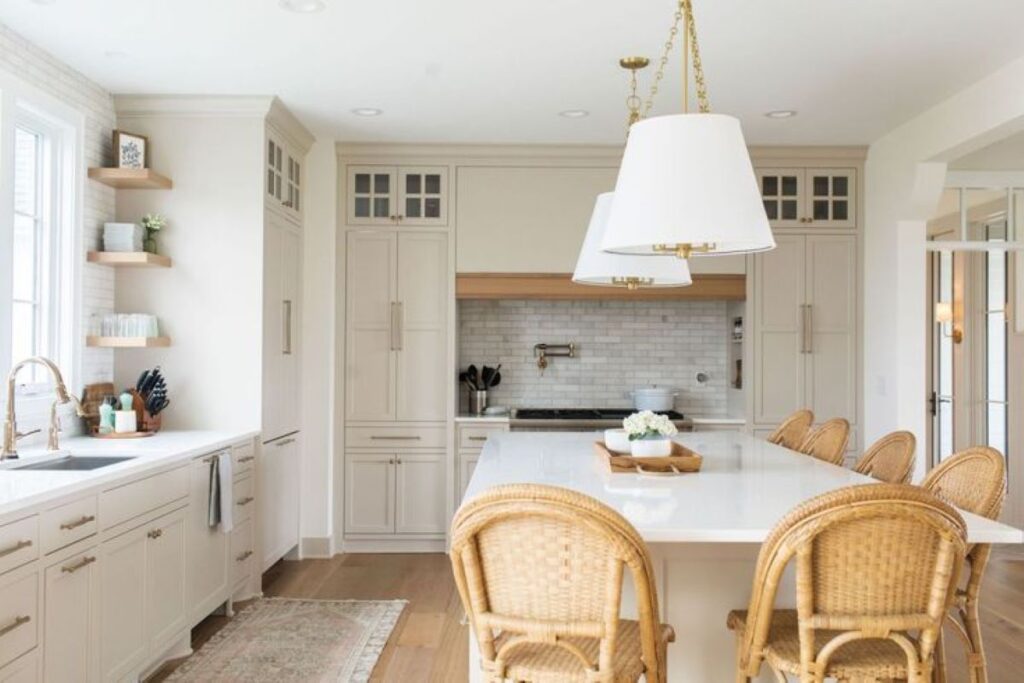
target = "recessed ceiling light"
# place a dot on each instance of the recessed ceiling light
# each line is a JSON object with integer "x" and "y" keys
{"x": 303, "y": 6}
{"x": 574, "y": 113}
{"x": 781, "y": 114}
{"x": 367, "y": 111}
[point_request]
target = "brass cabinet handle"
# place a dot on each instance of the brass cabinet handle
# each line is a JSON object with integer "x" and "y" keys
{"x": 18, "y": 621}
{"x": 15, "y": 548}
{"x": 478, "y": 438}
{"x": 247, "y": 458}
{"x": 286, "y": 345}
{"x": 398, "y": 460}
{"x": 284, "y": 442}
{"x": 84, "y": 519}
{"x": 245, "y": 501}
{"x": 244, "y": 556}
{"x": 72, "y": 568}
{"x": 395, "y": 438}
{"x": 809, "y": 327}
{"x": 156, "y": 533}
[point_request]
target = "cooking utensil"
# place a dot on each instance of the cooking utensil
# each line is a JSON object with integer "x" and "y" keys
{"x": 474, "y": 377}
{"x": 496, "y": 380}
{"x": 489, "y": 375}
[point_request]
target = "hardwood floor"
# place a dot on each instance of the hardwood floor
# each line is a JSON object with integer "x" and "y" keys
{"x": 429, "y": 643}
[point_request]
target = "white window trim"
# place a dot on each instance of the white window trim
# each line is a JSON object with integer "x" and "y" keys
{"x": 21, "y": 102}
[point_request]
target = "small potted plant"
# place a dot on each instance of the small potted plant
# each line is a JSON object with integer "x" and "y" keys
{"x": 649, "y": 434}
{"x": 153, "y": 223}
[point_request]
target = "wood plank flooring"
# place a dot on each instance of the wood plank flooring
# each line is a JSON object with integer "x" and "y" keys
{"x": 429, "y": 643}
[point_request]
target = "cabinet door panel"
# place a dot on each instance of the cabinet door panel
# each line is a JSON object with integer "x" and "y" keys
{"x": 372, "y": 195}
{"x": 273, "y": 325}
{"x": 420, "y": 494}
{"x": 123, "y": 641}
{"x": 778, "y": 361}
{"x": 165, "y": 578}
{"x": 278, "y": 498}
{"x": 369, "y": 493}
{"x": 291, "y": 304}
{"x": 70, "y": 623}
{"x": 831, "y": 200}
{"x": 423, "y": 195}
{"x": 421, "y": 386}
{"x": 467, "y": 465}
{"x": 782, "y": 192}
{"x": 371, "y": 296}
{"x": 207, "y": 563}
{"x": 832, "y": 296}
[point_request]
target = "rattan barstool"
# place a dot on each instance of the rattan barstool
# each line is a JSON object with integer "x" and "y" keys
{"x": 973, "y": 480}
{"x": 876, "y": 567}
{"x": 793, "y": 430}
{"x": 890, "y": 459}
{"x": 539, "y": 570}
{"x": 828, "y": 442}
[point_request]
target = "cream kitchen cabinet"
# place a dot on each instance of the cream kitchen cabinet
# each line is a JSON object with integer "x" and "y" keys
{"x": 805, "y": 320}
{"x": 278, "y": 498}
{"x": 283, "y": 176}
{"x": 207, "y": 565}
{"x": 282, "y": 294}
{"x": 395, "y": 493}
{"x": 71, "y": 618}
{"x": 397, "y": 326}
{"x": 471, "y": 438}
{"x": 401, "y": 196}
{"x": 809, "y": 197}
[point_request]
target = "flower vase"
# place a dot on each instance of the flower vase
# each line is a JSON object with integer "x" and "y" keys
{"x": 149, "y": 245}
{"x": 656, "y": 447}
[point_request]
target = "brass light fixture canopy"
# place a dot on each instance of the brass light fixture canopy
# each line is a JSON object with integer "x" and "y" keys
{"x": 634, "y": 63}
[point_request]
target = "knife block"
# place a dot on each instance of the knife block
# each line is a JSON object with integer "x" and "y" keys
{"x": 146, "y": 422}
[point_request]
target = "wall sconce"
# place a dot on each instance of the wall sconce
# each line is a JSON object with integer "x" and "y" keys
{"x": 944, "y": 317}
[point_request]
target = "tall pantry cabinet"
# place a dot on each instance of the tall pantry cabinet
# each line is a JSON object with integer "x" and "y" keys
{"x": 803, "y": 304}
{"x": 398, "y": 357}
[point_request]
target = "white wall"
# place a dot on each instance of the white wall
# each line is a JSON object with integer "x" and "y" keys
{"x": 210, "y": 301}
{"x": 905, "y": 171}
{"x": 318, "y": 327}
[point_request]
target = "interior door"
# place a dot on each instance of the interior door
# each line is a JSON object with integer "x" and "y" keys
{"x": 831, "y": 352}
{"x": 779, "y": 277}
{"x": 370, "y": 355}
{"x": 422, "y": 338}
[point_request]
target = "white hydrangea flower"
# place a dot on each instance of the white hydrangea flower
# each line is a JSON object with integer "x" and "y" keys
{"x": 647, "y": 425}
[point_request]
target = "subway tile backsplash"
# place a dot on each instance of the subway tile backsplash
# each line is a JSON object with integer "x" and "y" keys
{"x": 620, "y": 345}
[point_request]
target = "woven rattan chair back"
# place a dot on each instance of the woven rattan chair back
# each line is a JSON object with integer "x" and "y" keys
{"x": 828, "y": 442}
{"x": 890, "y": 459}
{"x": 547, "y": 564}
{"x": 973, "y": 480}
{"x": 793, "y": 430}
{"x": 872, "y": 561}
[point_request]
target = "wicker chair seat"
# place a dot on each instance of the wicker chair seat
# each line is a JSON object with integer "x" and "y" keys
{"x": 543, "y": 663}
{"x": 870, "y": 658}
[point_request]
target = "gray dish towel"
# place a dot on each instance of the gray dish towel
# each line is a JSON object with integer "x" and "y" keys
{"x": 213, "y": 509}
{"x": 221, "y": 498}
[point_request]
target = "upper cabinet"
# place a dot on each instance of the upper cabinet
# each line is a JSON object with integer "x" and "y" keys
{"x": 388, "y": 195}
{"x": 809, "y": 197}
{"x": 284, "y": 176}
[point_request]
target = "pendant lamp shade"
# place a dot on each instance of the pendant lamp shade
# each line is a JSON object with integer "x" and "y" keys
{"x": 597, "y": 267}
{"x": 686, "y": 182}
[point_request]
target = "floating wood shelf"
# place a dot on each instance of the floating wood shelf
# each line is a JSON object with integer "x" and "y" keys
{"x": 127, "y": 342}
{"x": 560, "y": 287}
{"x": 129, "y": 259}
{"x": 131, "y": 178}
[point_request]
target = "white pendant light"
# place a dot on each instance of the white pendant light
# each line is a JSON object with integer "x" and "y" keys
{"x": 597, "y": 267}
{"x": 686, "y": 185}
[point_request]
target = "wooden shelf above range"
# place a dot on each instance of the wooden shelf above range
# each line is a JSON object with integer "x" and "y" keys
{"x": 560, "y": 287}
{"x": 129, "y": 259}
{"x": 127, "y": 342}
{"x": 131, "y": 178}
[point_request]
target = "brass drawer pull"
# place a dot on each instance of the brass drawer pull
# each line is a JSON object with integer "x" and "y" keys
{"x": 244, "y": 556}
{"x": 395, "y": 438}
{"x": 478, "y": 438}
{"x": 72, "y": 568}
{"x": 156, "y": 533}
{"x": 285, "y": 442}
{"x": 85, "y": 519}
{"x": 18, "y": 621}
{"x": 245, "y": 501}
{"x": 247, "y": 458}
{"x": 15, "y": 548}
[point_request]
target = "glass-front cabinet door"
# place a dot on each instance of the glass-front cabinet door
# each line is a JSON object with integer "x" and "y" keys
{"x": 831, "y": 201}
{"x": 372, "y": 196}
{"x": 423, "y": 195}
{"x": 782, "y": 194}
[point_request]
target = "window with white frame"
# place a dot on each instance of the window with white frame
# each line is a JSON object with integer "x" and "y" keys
{"x": 38, "y": 155}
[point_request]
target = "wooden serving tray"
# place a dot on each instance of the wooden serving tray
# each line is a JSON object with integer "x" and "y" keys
{"x": 123, "y": 435}
{"x": 682, "y": 460}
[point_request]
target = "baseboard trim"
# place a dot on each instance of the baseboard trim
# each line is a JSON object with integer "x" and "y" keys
{"x": 318, "y": 546}
{"x": 398, "y": 545}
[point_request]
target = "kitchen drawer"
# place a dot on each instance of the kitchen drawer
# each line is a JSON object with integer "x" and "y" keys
{"x": 394, "y": 436}
{"x": 120, "y": 504}
{"x": 68, "y": 523}
{"x": 243, "y": 456}
{"x": 244, "y": 499}
{"x": 19, "y": 543}
{"x": 19, "y": 617}
{"x": 243, "y": 553}
{"x": 24, "y": 670}
{"x": 474, "y": 438}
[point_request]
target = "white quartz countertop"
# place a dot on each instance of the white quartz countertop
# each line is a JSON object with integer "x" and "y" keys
{"x": 22, "y": 489}
{"x": 744, "y": 487}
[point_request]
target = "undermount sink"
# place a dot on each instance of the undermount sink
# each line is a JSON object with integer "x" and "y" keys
{"x": 75, "y": 463}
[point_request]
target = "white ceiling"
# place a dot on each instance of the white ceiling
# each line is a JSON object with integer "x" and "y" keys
{"x": 494, "y": 71}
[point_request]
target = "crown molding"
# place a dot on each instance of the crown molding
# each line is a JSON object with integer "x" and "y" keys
{"x": 458, "y": 151}
{"x": 133, "y": 106}
{"x": 289, "y": 125}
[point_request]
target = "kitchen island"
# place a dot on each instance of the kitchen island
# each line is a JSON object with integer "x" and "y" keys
{"x": 703, "y": 530}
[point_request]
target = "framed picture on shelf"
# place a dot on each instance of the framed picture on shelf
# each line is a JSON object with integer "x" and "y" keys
{"x": 131, "y": 150}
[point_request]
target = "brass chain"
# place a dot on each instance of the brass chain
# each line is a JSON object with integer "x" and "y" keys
{"x": 698, "y": 68}
{"x": 684, "y": 12}
{"x": 663, "y": 62}
{"x": 632, "y": 101}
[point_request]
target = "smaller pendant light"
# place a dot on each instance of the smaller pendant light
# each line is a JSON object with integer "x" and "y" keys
{"x": 596, "y": 267}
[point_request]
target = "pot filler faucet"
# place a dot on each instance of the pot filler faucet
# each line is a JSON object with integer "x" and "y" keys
{"x": 11, "y": 434}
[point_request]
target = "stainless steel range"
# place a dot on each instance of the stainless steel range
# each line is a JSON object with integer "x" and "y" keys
{"x": 581, "y": 419}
